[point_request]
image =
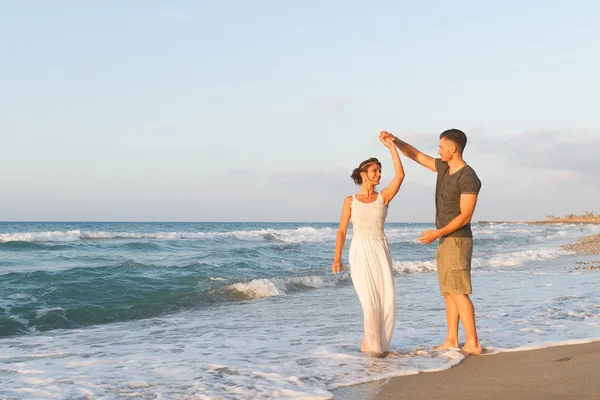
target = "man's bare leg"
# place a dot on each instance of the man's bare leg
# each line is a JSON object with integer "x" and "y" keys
{"x": 466, "y": 311}
{"x": 451, "y": 341}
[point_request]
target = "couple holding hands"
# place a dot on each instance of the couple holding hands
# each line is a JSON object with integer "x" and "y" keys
{"x": 369, "y": 256}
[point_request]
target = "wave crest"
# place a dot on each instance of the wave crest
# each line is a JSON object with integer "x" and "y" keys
{"x": 261, "y": 288}
{"x": 411, "y": 267}
{"x": 519, "y": 257}
{"x": 299, "y": 235}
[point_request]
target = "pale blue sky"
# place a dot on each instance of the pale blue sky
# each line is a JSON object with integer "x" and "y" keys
{"x": 259, "y": 111}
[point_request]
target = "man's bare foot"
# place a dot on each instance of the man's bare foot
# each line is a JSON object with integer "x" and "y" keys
{"x": 468, "y": 350}
{"x": 447, "y": 345}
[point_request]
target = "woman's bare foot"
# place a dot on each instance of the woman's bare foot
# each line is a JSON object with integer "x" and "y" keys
{"x": 468, "y": 349}
{"x": 447, "y": 345}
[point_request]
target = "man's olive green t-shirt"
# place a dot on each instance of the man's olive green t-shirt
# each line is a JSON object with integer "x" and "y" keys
{"x": 447, "y": 195}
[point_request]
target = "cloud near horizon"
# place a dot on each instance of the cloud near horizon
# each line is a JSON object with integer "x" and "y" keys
{"x": 569, "y": 155}
{"x": 524, "y": 176}
{"x": 330, "y": 105}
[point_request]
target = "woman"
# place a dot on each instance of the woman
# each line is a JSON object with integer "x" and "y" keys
{"x": 369, "y": 256}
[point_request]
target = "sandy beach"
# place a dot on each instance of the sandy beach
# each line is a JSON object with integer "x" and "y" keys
{"x": 563, "y": 372}
{"x": 586, "y": 245}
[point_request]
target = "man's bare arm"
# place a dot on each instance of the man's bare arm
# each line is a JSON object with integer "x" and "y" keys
{"x": 412, "y": 153}
{"x": 468, "y": 201}
{"x": 467, "y": 208}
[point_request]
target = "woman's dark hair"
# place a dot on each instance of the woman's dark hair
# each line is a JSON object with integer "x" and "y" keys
{"x": 362, "y": 168}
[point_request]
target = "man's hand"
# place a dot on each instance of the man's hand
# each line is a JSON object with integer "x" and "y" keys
{"x": 387, "y": 142}
{"x": 429, "y": 236}
{"x": 383, "y": 135}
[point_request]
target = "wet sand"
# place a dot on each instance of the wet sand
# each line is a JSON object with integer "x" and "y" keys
{"x": 562, "y": 372}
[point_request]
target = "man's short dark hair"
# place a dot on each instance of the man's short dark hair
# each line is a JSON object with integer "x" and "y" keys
{"x": 457, "y": 136}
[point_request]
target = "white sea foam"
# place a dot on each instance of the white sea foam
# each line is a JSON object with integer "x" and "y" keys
{"x": 261, "y": 288}
{"x": 554, "y": 236}
{"x": 22, "y": 321}
{"x": 314, "y": 281}
{"x": 42, "y": 312}
{"x": 299, "y": 235}
{"x": 484, "y": 232}
{"x": 400, "y": 235}
{"x": 511, "y": 259}
{"x": 54, "y": 236}
{"x": 410, "y": 267}
{"x": 306, "y": 234}
{"x": 544, "y": 345}
{"x": 514, "y": 259}
{"x": 257, "y": 288}
{"x": 18, "y": 296}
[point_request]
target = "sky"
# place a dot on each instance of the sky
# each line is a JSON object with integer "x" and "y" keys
{"x": 260, "y": 110}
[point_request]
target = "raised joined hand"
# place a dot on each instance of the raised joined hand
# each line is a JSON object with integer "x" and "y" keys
{"x": 387, "y": 139}
{"x": 387, "y": 142}
{"x": 386, "y": 135}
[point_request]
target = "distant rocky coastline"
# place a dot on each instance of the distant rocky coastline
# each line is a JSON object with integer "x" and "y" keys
{"x": 595, "y": 219}
{"x": 587, "y": 218}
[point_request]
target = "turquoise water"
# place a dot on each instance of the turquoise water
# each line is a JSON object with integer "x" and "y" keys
{"x": 251, "y": 310}
{"x": 65, "y": 275}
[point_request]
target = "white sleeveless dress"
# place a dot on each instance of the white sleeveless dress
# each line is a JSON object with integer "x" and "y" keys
{"x": 371, "y": 272}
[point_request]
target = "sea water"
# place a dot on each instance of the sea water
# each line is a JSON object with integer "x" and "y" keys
{"x": 252, "y": 311}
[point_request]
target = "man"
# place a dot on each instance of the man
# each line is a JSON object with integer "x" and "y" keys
{"x": 456, "y": 194}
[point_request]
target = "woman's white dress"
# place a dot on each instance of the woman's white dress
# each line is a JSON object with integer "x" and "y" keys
{"x": 371, "y": 272}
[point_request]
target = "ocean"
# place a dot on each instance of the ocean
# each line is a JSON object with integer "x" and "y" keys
{"x": 252, "y": 311}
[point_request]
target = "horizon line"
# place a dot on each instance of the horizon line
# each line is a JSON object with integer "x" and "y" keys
{"x": 230, "y": 222}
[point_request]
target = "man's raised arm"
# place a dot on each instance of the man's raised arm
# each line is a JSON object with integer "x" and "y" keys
{"x": 412, "y": 153}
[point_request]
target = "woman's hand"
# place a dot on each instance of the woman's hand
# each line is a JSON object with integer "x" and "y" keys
{"x": 337, "y": 267}
{"x": 389, "y": 192}
{"x": 387, "y": 142}
{"x": 386, "y": 135}
{"x": 387, "y": 139}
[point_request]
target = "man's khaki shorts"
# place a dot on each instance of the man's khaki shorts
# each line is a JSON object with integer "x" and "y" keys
{"x": 453, "y": 261}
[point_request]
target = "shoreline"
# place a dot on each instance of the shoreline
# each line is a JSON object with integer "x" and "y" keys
{"x": 561, "y": 371}
{"x": 587, "y": 245}
{"x": 567, "y": 371}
